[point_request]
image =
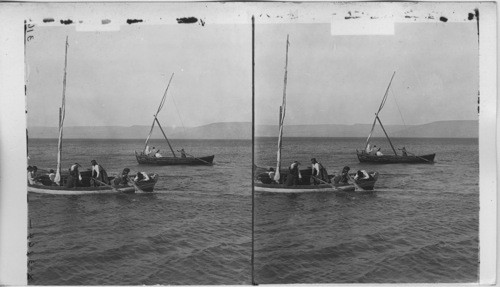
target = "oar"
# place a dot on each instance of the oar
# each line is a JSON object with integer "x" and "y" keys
{"x": 333, "y": 186}
{"x": 208, "y": 163}
{"x": 354, "y": 182}
{"x": 112, "y": 187}
{"x": 418, "y": 156}
{"x": 135, "y": 184}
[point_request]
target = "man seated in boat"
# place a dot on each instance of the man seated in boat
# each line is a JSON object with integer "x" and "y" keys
{"x": 152, "y": 152}
{"x": 141, "y": 176}
{"x": 368, "y": 149}
{"x": 403, "y": 150}
{"x": 158, "y": 154}
{"x": 183, "y": 153}
{"x": 379, "y": 153}
{"x": 33, "y": 176}
{"x": 122, "y": 180}
{"x": 99, "y": 175}
{"x": 362, "y": 175}
{"x": 267, "y": 177}
{"x": 373, "y": 150}
{"x": 52, "y": 176}
{"x": 319, "y": 174}
{"x": 343, "y": 178}
{"x": 147, "y": 150}
{"x": 294, "y": 177}
{"x": 74, "y": 178}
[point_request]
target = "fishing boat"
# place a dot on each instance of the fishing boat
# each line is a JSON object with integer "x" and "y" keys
{"x": 368, "y": 156}
{"x": 45, "y": 185}
{"x": 147, "y": 157}
{"x": 264, "y": 183}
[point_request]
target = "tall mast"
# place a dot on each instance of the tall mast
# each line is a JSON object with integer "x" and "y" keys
{"x": 162, "y": 102}
{"x": 62, "y": 112}
{"x": 376, "y": 114}
{"x": 282, "y": 117}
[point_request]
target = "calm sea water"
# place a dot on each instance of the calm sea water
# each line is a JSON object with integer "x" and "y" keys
{"x": 421, "y": 225}
{"x": 195, "y": 229}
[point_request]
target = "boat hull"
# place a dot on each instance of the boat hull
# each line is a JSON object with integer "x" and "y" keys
{"x": 142, "y": 187}
{"x": 386, "y": 159}
{"x": 366, "y": 186}
{"x": 144, "y": 159}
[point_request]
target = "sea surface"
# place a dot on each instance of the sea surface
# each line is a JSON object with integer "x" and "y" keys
{"x": 421, "y": 226}
{"x": 195, "y": 228}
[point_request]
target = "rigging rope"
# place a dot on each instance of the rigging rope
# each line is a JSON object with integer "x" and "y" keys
{"x": 179, "y": 114}
{"x": 397, "y": 105}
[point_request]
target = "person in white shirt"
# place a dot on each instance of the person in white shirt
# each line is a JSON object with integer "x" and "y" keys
{"x": 379, "y": 153}
{"x": 147, "y": 150}
{"x": 141, "y": 176}
{"x": 318, "y": 172}
{"x": 368, "y": 148}
{"x": 99, "y": 173}
{"x": 157, "y": 154}
{"x": 361, "y": 174}
{"x": 52, "y": 175}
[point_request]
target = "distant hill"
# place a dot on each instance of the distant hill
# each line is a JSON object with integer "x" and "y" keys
{"x": 243, "y": 130}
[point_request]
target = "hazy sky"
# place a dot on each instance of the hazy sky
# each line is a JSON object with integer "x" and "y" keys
{"x": 119, "y": 77}
{"x": 342, "y": 79}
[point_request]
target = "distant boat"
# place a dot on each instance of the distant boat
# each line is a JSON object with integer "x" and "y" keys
{"x": 45, "y": 184}
{"x": 263, "y": 182}
{"x": 145, "y": 157}
{"x": 406, "y": 157}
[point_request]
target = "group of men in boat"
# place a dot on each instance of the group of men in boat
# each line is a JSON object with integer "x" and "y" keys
{"x": 319, "y": 175}
{"x": 153, "y": 152}
{"x": 374, "y": 151}
{"x": 99, "y": 177}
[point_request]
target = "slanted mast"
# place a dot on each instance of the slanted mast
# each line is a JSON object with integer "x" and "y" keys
{"x": 378, "y": 119}
{"x": 155, "y": 120}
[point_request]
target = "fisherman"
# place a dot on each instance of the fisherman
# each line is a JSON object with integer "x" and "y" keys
{"x": 362, "y": 175}
{"x": 379, "y": 153}
{"x": 294, "y": 177}
{"x": 319, "y": 173}
{"x": 373, "y": 150}
{"x": 152, "y": 152}
{"x": 32, "y": 175}
{"x": 52, "y": 175}
{"x": 141, "y": 176}
{"x": 271, "y": 174}
{"x": 158, "y": 154}
{"x": 99, "y": 173}
{"x": 368, "y": 148}
{"x": 183, "y": 153}
{"x": 403, "y": 150}
{"x": 74, "y": 178}
{"x": 122, "y": 179}
{"x": 343, "y": 178}
{"x": 147, "y": 150}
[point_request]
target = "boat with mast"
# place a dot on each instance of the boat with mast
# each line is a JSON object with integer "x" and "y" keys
{"x": 366, "y": 156}
{"x": 263, "y": 182}
{"x": 45, "y": 184}
{"x": 145, "y": 157}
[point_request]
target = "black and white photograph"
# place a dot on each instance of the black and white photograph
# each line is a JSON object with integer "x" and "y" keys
{"x": 248, "y": 143}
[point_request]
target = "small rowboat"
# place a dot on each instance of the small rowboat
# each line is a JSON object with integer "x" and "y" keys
{"x": 305, "y": 187}
{"x": 139, "y": 187}
{"x": 369, "y": 158}
{"x": 144, "y": 159}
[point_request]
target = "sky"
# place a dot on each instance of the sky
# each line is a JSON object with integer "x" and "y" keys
{"x": 117, "y": 78}
{"x": 336, "y": 79}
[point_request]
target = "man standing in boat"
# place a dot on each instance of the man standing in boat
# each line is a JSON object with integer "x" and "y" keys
{"x": 318, "y": 172}
{"x": 99, "y": 174}
{"x": 294, "y": 177}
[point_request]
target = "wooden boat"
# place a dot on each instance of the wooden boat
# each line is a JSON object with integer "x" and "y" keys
{"x": 45, "y": 184}
{"x": 144, "y": 157}
{"x": 406, "y": 157}
{"x": 263, "y": 183}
